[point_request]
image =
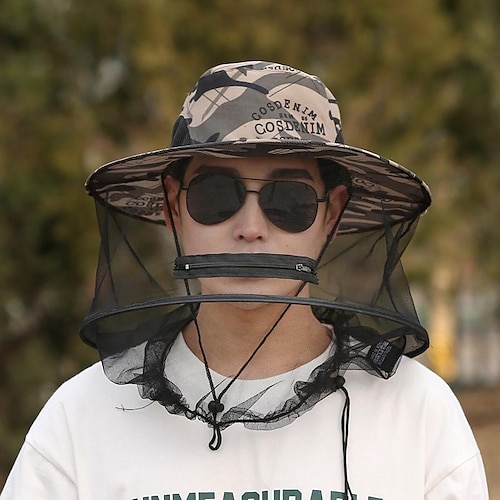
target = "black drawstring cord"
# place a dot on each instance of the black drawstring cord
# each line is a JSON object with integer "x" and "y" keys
{"x": 214, "y": 408}
{"x": 345, "y": 435}
{"x": 216, "y": 441}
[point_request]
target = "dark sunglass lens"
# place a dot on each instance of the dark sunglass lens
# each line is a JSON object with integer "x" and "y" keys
{"x": 213, "y": 198}
{"x": 289, "y": 205}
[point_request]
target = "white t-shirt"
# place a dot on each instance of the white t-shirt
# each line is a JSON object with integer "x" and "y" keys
{"x": 408, "y": 440}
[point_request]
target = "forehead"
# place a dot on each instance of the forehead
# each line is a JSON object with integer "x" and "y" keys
{"x": 261, "y": 167}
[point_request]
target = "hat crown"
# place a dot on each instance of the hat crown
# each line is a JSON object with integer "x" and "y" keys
{"x": 258, "y": 101}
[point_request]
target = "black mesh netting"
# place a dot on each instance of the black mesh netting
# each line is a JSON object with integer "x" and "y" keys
{"x": 139, "y": 310}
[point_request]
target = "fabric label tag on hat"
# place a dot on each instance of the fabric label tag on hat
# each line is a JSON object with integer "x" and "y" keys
{"x": 385, "y": 355}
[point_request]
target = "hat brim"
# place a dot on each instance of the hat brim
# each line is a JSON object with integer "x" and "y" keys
{"x": 384, "y": 192}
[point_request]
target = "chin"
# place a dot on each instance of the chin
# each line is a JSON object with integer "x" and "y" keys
{"x": 252, "y": 286}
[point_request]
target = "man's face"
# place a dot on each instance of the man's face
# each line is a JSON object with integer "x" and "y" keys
{"x": 249, "y": 230}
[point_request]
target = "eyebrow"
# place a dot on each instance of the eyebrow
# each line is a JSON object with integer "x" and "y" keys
{"x": 277, "y": 173}
{"x": 291, "y": 173}
{"x": 214, "y": 169}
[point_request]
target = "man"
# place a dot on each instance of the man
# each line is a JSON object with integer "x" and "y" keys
{"x": 280, "y": 344}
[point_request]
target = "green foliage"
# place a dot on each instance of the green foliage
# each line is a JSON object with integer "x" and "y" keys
{"x": 82, "y": 83}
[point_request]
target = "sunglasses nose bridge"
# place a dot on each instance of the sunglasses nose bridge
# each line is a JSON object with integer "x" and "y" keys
{"x": 255, "y": 203}
{"x": 254, "y": 191}
{"x": 243, "y": 192}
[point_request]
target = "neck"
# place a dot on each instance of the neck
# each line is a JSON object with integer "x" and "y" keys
{"x": 230, "y": 333}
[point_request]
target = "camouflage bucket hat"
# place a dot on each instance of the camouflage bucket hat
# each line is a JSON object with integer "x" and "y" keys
{"x": 257, "y": 108}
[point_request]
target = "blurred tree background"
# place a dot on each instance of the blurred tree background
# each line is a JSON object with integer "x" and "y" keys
{"x": 83, "y": 83}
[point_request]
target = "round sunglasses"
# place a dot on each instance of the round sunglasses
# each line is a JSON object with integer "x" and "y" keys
{"x": 290, "y": 205}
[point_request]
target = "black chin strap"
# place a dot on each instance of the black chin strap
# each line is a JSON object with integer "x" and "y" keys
{"x": 345, "y": 436}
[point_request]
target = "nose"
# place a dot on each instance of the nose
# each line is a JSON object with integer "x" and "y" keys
{"x": 251, "y": 224}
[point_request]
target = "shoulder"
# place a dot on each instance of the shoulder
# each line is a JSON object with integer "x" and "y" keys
{"x": 430, "y": 393}
{"x": 87, "y": 386}
{"x": 90, "y": 376}
{"x": 413, "y": 372}
{"x": 417, "y": 396}
{"x": 80, "y": 399}
{"x": 92, "y": 383}
{"x": 426, "y": 388}
{"x": 412, "y": 378}
{"x": 418, "y": 407}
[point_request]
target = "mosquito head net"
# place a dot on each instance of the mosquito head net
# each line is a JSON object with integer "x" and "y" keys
{"x": 147, "y": 289}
